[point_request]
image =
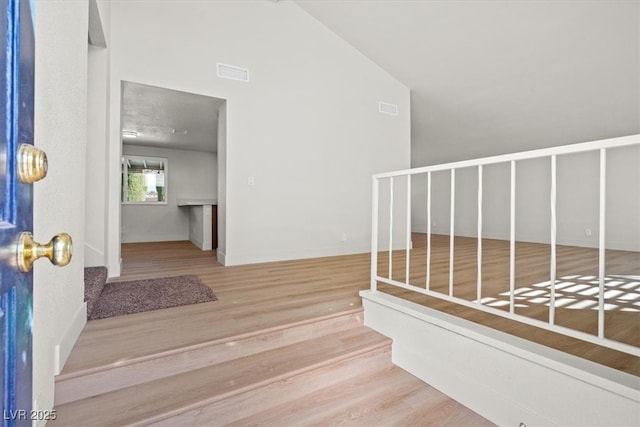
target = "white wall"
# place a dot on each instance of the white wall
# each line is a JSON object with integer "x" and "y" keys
{"x": 222, "y": 184}
{"x": 191, "y": 174}
{"x": 577, "y": 200}
{"x": 97, "y": 140}
{"x": 525, "y": 76}
{"x": 306, "y": 126}
{"x": 60, "y": 130}
{"x": 623, "y": 206}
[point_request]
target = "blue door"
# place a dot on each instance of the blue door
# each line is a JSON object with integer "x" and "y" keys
{"x": 16, "y": 208}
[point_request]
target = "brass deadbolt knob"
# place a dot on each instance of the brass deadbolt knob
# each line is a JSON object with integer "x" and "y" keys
{"x": 32, "y": 164}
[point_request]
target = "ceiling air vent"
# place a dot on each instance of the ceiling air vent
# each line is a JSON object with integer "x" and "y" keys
{"x": 232, "y": 72}
{"x": 387, "y": 108}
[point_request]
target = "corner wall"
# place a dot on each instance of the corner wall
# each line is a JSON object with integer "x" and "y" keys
{"x": 306, "y": 126}
{"x": 97, "y": 138}
{"x": 222, "y": 184}
{"x": 59, "y": 204}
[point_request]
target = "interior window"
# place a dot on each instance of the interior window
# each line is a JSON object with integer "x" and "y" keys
{"x": 144, "y": 180}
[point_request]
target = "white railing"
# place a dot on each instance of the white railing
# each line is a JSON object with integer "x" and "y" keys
{"x": 512, "y": 159}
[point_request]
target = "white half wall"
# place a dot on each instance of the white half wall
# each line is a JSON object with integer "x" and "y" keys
{"x": 306, "y": 126}
{"x": 200, "y": 227}
{"x": 505, "y": 379}
{"x": 191, "y": 175}
{"x": 59, "y": 203}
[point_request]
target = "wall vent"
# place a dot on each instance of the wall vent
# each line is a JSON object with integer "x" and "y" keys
{"x": 386, "y": 108}
{"x": 232, "y": 72}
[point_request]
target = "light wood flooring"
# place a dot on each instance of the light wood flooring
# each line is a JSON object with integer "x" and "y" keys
{"x": 288, "y": 291}
{"x": 576, "y": 279}
{"x": 252, "y": 297}
{"x": 261, "y": 297}
{"x": 266, "y": 296}
{"x": 576, "y": 290}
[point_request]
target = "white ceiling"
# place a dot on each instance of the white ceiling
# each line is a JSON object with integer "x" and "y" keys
{"x": 491, "y": 77}
{"x": 169, "y": 118}
{"x": 486, "y": 76}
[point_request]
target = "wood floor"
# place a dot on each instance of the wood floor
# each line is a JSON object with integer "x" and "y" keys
{"x": 250, "y": 297}
{"x": 264, "y": 297}
{"x": 260, "y": 297}
{"x": 576, "y": 288}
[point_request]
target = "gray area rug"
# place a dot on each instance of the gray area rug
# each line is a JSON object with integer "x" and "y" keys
{"x": 120, "y": 298}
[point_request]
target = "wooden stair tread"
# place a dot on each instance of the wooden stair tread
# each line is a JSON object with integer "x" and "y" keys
{"x": 156, "y": 332}
{"x": 80, "y": 384}
{"x": 388, "y": 396}
{"x": 172, "y": 395}
{"x": 227, "y": 411}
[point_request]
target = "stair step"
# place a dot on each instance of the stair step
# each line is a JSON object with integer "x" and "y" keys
{"x": 140, "y": 335}
{"x": 388, "y": 396}
{"x": 201, "y": 388}
{"x": 227, "y": 411}
{"x": 83, "y": 383}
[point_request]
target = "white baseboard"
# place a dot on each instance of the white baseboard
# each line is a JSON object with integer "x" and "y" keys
{"x": 155, "y": 237}
{"x": 114, "y": 269}
{"x": 93, "y": 257}
{"x": 504, "y": 378}
{"x": 222, "y": 258}
{"x": 198, "y": 242}
{"x": 584, "y": 242}
{"x": 347, "y": 248}
{"x": 63, "y": 348}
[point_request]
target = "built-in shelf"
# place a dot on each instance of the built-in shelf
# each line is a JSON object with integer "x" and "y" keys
{"x": 197, "y": 202}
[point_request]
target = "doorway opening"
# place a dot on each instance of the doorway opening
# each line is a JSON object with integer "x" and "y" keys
{"x": 173, "y": 155}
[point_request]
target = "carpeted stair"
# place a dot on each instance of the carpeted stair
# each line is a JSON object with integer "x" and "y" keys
{"x": 94, "y": 280}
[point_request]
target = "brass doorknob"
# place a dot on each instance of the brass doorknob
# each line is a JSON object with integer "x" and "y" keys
{"x": 32, "y": 164}
{"x": 58, "y": 250}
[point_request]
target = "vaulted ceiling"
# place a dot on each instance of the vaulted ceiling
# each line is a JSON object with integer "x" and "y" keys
{"x": 492, "y": 77}
{"x": 486, "y": 76}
